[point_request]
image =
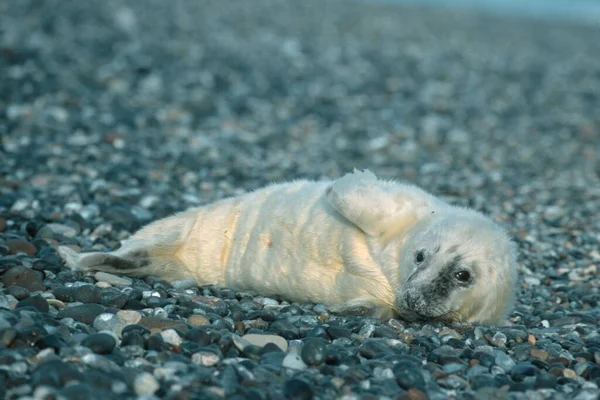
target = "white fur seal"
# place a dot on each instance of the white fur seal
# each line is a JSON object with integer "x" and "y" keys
{"x": 355, "y": 242}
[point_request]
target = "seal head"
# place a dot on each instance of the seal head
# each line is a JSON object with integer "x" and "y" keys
{"x": 459, "y": 268}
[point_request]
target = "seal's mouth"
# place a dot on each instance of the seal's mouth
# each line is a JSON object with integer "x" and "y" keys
{"x": 448, "y": 317}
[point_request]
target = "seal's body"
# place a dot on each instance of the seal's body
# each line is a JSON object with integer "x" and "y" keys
{"x": 357, "y": 242}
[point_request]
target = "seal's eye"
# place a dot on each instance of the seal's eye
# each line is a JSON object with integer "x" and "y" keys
{"x": 463, "y": 276}
{"x": 420, "y": 256}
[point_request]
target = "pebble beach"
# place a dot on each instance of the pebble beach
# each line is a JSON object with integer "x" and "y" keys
{"x": 116, "y": 113}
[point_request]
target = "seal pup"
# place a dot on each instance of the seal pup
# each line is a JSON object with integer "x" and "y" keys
{"x": 357, "y": 242}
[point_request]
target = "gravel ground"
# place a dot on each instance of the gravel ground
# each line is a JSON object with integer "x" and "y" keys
{"x": 116, "y": 113}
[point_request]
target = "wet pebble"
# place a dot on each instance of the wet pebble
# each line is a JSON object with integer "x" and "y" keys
{"x": 112, "y": 279}
{"x": 100, "y": 343}
{"x": 16, "y": 246}
{"x": 23, "y": 277}
{"x": 85, "y": 313}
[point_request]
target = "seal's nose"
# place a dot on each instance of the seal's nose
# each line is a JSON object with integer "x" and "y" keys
{"x": 411, "y": 300}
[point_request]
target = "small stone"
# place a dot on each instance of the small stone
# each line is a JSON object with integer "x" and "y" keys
{"x": 81, "y": 294}
{"x": 293, "y": 361}
{"x": 409, "y": 376}
{"x": 416, "y": 394}
{"x": 129, "y": 317}
{"x": 532, "y": 280}
{"x": 56, "y": 373}
{"x": 111, "y": 297}
{"x": 16, "y": 246}
{"x": 522, "y": 370}
{"x": 553, "y": 213}
{"x": 503, "y": 361}
{"x": 121, "y": 218}
{"x": 53, "y": 229}
{"x": 531, "y": 339}
{"x": 145, "y": 384}
{"x": 313, "y": 351}
{"x": 170, "y": 336}
{"x": 114, "y": 280}
{"x": 296, "y": 389}
{"x": 541, "y": 354}
{"x": 20, "y": 293}
{"x": 263, "y": 340}
{"x": 499, "y": 340}
{"x": 100, "y": 343}
{"x": 198, "y": 320}
{"x": 23, "y": 277}
{"x": 338, "y": 332}
{"x": 85, "y": 313}
{"x": 116, "y": 322}
{"x": 8, "y": 301}
{"x": 36, "y": 301}
{"x": 59, "y": 305}
{"x": 155, "y": 324}
{"x": 569, "y": 373}
{"x": 206, "y": 358}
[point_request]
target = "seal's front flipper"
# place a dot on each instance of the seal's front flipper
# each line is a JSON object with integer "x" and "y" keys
{"x": 363, "y": 307}
{"x": 377, "y": 207}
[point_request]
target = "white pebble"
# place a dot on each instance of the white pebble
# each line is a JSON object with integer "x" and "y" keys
{"x": 171, "y": 336}
{"x": 145, "y": 384}
{"x": 112, "y": 279}
{"x": 205, "y": 358}
{"x": 262, "y": 340}
{"x": 545, "y": 323}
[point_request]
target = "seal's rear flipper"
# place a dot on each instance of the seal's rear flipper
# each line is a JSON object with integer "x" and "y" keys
{"x": 136, "y": 263}
{"x": 151, "y": 251}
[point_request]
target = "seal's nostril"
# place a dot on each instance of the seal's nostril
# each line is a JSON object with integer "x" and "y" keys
{"x": 410, "y": 301}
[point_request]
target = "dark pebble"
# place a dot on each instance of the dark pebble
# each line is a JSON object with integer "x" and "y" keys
{"x": 161, "y": 324}
{"x": 23, "y": 277}
{"x": 265, "y": 315}
{"x": 156, "y": 342}
{"x": 121, "y": 218}
{"x": 320, "y": 332}
{"x": 273, "y": 358}
{"x": 101, "y": 343}
{"x": 56, "y": 373}
{"x": 296, "y": 389}
{"x": 51, "y": 341}
{"x": 522, "y": 370}
{"x": 35, "y": 301}
{"x": 545, "y": 380}
{"x": 385, "y": 332}
{"x": 18, "y": 292}
{"x": 198, "y": 336}
{"x": 409, "y": 376}
{"x": 111, "y": 297}
{"x": 85, "y": 313}
{"x": 133, "y": 339}
{"x": 337, "y": 332}
{"x": 16, "y": 246}
{"x": 313, "y": 351}
{"x": 82, "y": 294}
{"x": 374, "y": 348}
{"x": 285, "y": 328}
{"x": 83, "y": 391}
{"x": 483, "y": 381}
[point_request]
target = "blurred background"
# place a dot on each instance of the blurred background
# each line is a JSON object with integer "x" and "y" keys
{"x": 162, "y": 105}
